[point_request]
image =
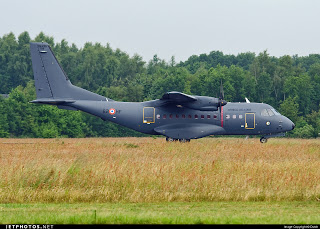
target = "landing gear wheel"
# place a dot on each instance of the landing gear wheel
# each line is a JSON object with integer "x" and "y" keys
{"x": 263, "y": 140}
{"x": 183, "y": 140}
{"x": 169, "y": 139}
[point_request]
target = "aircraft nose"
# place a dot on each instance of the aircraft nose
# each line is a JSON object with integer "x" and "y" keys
{"x": 288, "y": 124}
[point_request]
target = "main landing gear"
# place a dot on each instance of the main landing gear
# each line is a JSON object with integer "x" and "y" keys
{"x": 183, "y": 140}
{"x": 170, "y": 139}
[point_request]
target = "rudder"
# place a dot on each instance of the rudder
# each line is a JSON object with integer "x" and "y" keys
{"x": 41, "y": 80}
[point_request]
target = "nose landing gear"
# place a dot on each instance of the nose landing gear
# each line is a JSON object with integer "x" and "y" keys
{"x": 263, "y": 140}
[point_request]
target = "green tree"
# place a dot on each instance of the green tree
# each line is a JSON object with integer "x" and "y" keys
{"x": 290, "y": 83}
{"x": 4, "y": 127}
{"x": 290, "y": 109}
{"x": 314, "y": 120}
{"x": 300, "y": 87}
{"x": 306, "y": 131}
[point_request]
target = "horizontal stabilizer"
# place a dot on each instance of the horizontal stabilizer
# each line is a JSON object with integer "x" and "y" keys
{"x": 53, "y": 101}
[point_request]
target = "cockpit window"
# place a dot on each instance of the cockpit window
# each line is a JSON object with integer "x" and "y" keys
{"x": 264, "y": 112}
{"x": 275, "y": 111}
{"x": 270, "y": 112}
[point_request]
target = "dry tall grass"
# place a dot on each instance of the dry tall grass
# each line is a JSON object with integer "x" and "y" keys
{"x": 152, "y": 170}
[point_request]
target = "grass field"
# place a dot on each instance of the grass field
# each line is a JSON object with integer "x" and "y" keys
{"x": 163, "y": 213}
{"x": 106, "y": 173}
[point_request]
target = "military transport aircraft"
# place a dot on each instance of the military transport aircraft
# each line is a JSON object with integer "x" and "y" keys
{"x": 176, "y": 115}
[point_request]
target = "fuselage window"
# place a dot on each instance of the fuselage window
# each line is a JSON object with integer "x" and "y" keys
{"x": 189, "y": 116}
{"x": 158, "y": 116}
{"x": 227, "y": 116}
{"x": 183, "y": 116}
{"x": 171, "y": 116}
{"x": 202, "y": 116}
{"x": 208, "y": 117}
{"x": 215, "y": 116}
{"x": 177, "y": 116}
{"x": 270, "y": 112}
{"x": 234, "y": 116}
{"x": 164, "y": 116}
{"x": 240, "y": 116}
{"x": 196, "y": 116}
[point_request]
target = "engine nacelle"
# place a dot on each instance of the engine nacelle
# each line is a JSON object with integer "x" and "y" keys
{"x": 205, "y": 103}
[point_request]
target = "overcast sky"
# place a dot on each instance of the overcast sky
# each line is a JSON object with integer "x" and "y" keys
{"x": 179, "y": 28}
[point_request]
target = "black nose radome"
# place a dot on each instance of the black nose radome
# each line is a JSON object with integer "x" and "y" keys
{"x": 293, "y": 126}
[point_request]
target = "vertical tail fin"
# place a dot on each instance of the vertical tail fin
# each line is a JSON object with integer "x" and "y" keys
{"x": 51, "y": 81}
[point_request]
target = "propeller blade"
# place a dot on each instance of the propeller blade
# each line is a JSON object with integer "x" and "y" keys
{"x": 221, "y": 92}
{"x": 222, "y": 102}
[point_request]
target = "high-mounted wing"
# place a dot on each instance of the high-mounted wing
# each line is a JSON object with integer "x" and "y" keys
{"x": 202, "y": 103}
{"x": 177, "y": 97}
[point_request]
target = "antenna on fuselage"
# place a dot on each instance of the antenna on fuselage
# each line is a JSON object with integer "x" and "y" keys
{"x": 247, "y": 100}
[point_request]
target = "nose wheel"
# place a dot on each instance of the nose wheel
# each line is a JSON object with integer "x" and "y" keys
{"x": 263, "y": 140}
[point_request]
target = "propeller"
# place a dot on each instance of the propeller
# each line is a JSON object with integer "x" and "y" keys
{"x": 221, "y": 91}
{"x": 222, "y": 102}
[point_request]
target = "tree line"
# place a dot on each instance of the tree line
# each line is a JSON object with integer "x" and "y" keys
{"x": 291, "y": 84}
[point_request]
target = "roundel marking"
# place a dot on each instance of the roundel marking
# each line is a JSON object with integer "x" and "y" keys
{"x": 112, "y": 111}
{"x": 268, "y": 123}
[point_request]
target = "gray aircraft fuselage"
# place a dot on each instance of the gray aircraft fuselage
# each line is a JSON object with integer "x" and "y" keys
{"x": 176, "y": 115}
{"x": 235, "y": 118}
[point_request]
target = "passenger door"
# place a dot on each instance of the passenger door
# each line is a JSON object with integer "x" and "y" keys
{"x": 148, "y": 115}
{"x": 250, "y": 121}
